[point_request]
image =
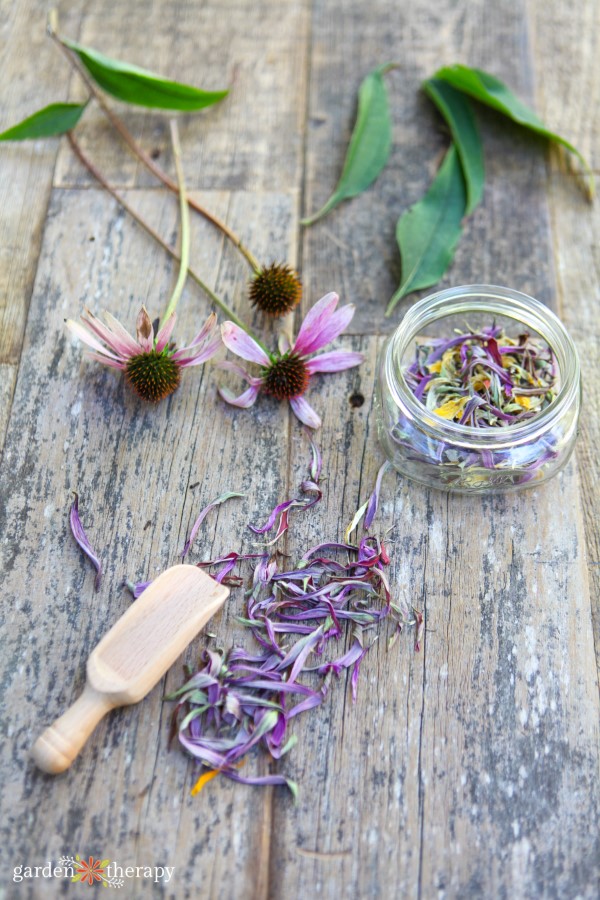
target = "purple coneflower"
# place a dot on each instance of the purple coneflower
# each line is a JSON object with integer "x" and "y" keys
{"x": 286, "y": 374}
{"x": 152, "y": 365}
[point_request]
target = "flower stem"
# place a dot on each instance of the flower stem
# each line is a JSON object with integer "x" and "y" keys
{"x": 89, "y": 165}
{"x": 185, "y": 226}
{"x": 141, "y": 154}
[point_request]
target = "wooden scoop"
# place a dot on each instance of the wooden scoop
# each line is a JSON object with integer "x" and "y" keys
{"x": 133, "y": 657}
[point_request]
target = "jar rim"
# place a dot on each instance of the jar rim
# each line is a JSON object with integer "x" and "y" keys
{"x": 497, "y": 300}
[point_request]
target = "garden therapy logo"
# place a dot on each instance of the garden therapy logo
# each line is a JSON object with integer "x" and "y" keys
{"x": 91, "y": 871}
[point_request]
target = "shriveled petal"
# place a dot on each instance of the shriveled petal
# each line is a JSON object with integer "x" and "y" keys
{"x": 81, "y": 537}
{"x": 305, "y": 412}
{"x": 114, "y": 341}
{"x": 145, "y": 331}
{"x": 164, "y": 335}
{"x": 333, "y": 327}
{"x": 314, "y": 321}
{"x": 240, "y": 343}
{"x": 245, "y": 400}
{"x": 117, "y": 328}
{"x": 84, "y": 335}
{"x": 335, "y": 361}
{"x": 199, "y": 355}
{"x": 283, "y": 344}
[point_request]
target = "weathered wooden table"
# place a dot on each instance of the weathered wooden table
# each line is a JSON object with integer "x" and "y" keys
{"x": 469, "y": 769}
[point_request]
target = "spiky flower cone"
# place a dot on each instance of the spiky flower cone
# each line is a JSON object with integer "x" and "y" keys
{"x": 276, "y": 290}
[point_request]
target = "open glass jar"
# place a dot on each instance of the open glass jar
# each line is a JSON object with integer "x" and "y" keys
{"x": 459, "y": 457}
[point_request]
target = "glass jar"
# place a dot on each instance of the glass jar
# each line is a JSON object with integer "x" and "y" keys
{"x": 444, "y": 454}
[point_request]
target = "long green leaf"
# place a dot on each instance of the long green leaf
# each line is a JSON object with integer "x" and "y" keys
{"x": 459, "y": 115}
{"x": 138, "y": 86}
{"x": 54, "y": 119}
{"x": 429, "y": 231}
{"x": 369, "y": 146}
{"x": 490, "y": 90}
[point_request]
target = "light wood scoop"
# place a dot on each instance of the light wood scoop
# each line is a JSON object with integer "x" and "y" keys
{"x": 133, "y": 657}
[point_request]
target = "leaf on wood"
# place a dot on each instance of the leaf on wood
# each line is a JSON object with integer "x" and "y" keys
{"x": 140, "y": 87}
{"x": 492, "y": 92}
{"x": 459, "y": 115}
{"x": 57, "y": 118}
{"x": 369, "y": 146}
{"x": 429, "y": 231}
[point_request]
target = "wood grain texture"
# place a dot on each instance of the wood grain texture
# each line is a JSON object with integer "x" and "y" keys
{"x": 467, "y": 770}
{"x": 250, "y": 141}
{"x": 462, "y": 754}
{"x": 27, "y": 168}
{"x": 103, "y": 443}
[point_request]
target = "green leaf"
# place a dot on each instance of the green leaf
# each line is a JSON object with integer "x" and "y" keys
{"x": 492, "y": 92}
{"x": 54, "y": 119}
{"x": 369, "y": 146}
{"x": 460, "y": 117}
{"x": 429, "y": 231}
{"x": 134, "y": 85}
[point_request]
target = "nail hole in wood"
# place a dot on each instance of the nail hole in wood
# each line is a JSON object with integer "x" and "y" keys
{"x": 356, "y": 400}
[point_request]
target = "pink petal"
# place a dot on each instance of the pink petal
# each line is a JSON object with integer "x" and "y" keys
{"x": 313, "y": 323}
{"x": 335, "y": 361}
{"x": 105, "y": 334}
{"x": 114, "y": 363}
{"x": 305, "y": 412}
{"x": 240, "y": 343}
{"x": 206, "y": 330}
{"x": 164, "y": 335}
{"x": 331, "y": 329}
{"x": 84, "y": 335}
{"x": 200, "y": 354}
{"x": 145, "y": 331}
{"x": 248, "y": 398}
{"x": 239, "y": 370}
{"x": 117, "y": 328}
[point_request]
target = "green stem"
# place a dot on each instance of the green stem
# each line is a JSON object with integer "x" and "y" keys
{"x": 185, "y": 226}
{"x": 89, "y": 165}
{"x": 141, "y": 154}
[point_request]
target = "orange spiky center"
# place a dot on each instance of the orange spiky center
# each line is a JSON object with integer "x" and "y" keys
{"x": 276, "y": 290}
{"x": 153, "y": 376}
{"x": 286, "y": 378}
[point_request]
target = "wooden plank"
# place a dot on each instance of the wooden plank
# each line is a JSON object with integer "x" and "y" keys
{"x": 252, "y": 140}
{"x": 567, "y": 87}
{"x": 567, "y": 84}
{"x": 142, "y": 474}
{"x": 576, "y": 227}
{"x": 26, "y": 167}
{"x": 468, "y": 769}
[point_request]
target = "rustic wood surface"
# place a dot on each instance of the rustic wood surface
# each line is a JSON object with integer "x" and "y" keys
{"x": 470, "y": 769}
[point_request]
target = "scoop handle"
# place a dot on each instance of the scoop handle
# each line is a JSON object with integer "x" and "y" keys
{"x": 57, "y": 747}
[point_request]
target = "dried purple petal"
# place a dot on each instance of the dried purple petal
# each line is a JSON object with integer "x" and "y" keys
{"x": 202, "y": 516}
{"x": 373, "y": 503}
{"x": 81, "y": 537}
{"x": 136, "y": 588}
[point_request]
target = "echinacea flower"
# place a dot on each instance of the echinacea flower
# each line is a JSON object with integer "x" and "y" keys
{"x": 152, "y": 365}
{"x": 286, "y": 374}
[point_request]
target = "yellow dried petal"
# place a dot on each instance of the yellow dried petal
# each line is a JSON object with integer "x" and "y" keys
{"x": 435, "y": 367}
{"x": 451, "y": 409}
{"x": 508, "y": 361}
{"x": 204, "y": 779}
{"x": 525, "y": 402}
